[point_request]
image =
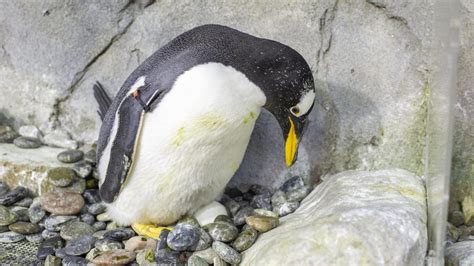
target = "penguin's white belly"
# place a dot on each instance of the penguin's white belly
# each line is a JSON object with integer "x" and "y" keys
{"x": 189, "y": 146}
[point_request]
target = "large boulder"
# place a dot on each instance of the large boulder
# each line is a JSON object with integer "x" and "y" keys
{"x": 354, "y": 217}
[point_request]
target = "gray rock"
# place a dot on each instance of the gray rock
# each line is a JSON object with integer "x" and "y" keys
{"x": 55, "y": 223}
{"x": 11, "y": 237}
{"x": 145, "y": 256}
{"x": 48, "y": 247}
{"x": 99, "y": 225}
{"x": 82, "y": 169}
{"x": 163, "y": 254}
{"x": 73, "y": 261}
{"x": 183, "y": 237}
{"x": 460, "y": 253}
{"x": 35, "y": 238}
{"x": 52, "y": 261}
{"x": 360, "y": 202}
{"x": 92, "y": 196}
{"x": 60, "y": 253}
{"x": 13, "y": 196}
{"x": 30, "y": 131}
{"x": 70, "y": 156}
{"x": 27, "y": 143}
{"x": 205, "y": 241}
{"x": 26, "y": 202}
{"x": 80, "y": 245}
{"x": 88, "y": 218}
{"x": 60, "y": 176}
{"x": 24, "y": 228}
{"x": 222, "y": 231}
{"x": 107, "y": 244}
{"x": 456, "y": 218}
{"x": 7, "y": 134}
{"x": 189, "y": 220}
{"x": 61, "y": 139}
{"x": 220, "y": 262}
{"x": 75, "y": 229}
{"x": 292, "y": 184}
{"x": 239, "y": 218}
{"x": 92, "y": 254}
{"x": 197, "y": 261}
{"x": 299, "y": 194}
{"x": 139, "y": 243}
{"x": 223, "y": 218}
{"x": 46, "y": 234}
{"x": 103, "y": 217}
{"x": 21, "y": 213}
{"x": 262, "y": 201}
{"x": 286, "y": 208}
{"x": 89, "y": 156}
{"x": 62, "y": 203}
{"x": 35, "y": 212}
{"x": 245, "y": 239}
{"x": 119, "y": 234}
{"x": 96, "y": 208}
{"x": 6, "y": 216}
{"x": 278, "y": 198}
{"x": 208, "y": 255}
{"x": 226, "y": 253}
{"x": 231, "y": 205}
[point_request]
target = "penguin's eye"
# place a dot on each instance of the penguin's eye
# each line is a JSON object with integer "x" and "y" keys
{"x": 295, "y": 110}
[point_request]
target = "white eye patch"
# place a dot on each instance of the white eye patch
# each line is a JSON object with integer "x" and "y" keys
{"x": 306, "y": 101}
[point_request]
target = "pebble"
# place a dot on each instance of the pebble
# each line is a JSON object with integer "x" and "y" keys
{"x": 96, "y": 208}
{"x": 205, "y": 240}
{"x": 119, "y": 234}
{"x": 11, "y": 237}
{"x": 286, "y": 208}
{"x": 107, "y": 244}
{"x": 140, "y": 242}
{"x": 222, "y": 231}
{"x": 13, "y": 196}
{"x": 196, "y": 261}
{"x": 226, "y": 253}
{"x": 60, "y": 253}
{"x": 27, "y": 142}
{"x": 7, "y": 134}
{"x": 3, "y": 188}
{"x": 223, "y": 218}
{"x": 46, "y": 234}
{"x": 52, "y": 261}
{"x": 21, "y": 213}
{"x": 76, "y": 229}
{"x": 90, "y": 156}
{"x": 163, "y": 254}
{"x": 80, "y": 245}
{"x": 26, "y": 202}
{"x": 257, "y": 189}
{"x": 189, "y": 220}
{"x": 62, "y": 203}
{"x": 145, "y": 256}
{"x": 220, "y": 262}
{"x": 262, "y": 201}
{"x": 99, "y": 225}
{"x": 183, "y": 237}
{"x": 82, "y": 169}
{"x": 262, "y": 223}
{"x": 24, "y": 228}
{"x": 208, "y": 213}
{"x": 35, "y": 212}
{"x": 48, "y": 247}
{"x": 70, "y": 156}
{"x": 35, "y": 238}
{"x": 278, "y": 198}
{"x": 55, "y": 223}
{"x": 245, "y": 239}
{"x": 239, "y": 218}
{"x": 112, "y": 226}
{"x": 263, "y": 212}
{"x": 230, "y": 204}
{"x": 6, "y": 216}
{"x": 298, "y": 194}
{"x": 88, "y": 218}
{"x": 30, "y": 131}
{"x": 104, "y": 217}
{"x": 456, "y": 218}
{"x": 78, "y": 185}
{"x": 74, "y": 261}
{"x": 291, "y": 184}
{"x": 93, "y": 253}
{"x": 208, "y": 255}
{"x": 115, "y": 257}
{"x": 92, "y": 196}
{"x": 60, "y": 176}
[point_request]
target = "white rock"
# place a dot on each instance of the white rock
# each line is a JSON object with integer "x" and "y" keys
{"x": 352, "y": 218}
{"x": 60, "y": 138}
{"x": 30, "y": 131}
{"x": 460, "y": 253}
{"x": 208, "y": 213}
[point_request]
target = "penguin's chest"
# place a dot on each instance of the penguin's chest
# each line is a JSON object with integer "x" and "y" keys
{"x": 192, "y": 143}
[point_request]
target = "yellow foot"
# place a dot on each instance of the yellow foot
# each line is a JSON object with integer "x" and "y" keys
{"x": 149, "y": 230}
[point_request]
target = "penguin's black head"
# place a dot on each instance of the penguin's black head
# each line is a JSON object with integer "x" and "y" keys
{"x": 287, "y": 82}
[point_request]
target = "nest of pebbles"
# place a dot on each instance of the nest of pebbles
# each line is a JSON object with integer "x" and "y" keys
{"x": 70, "y": 224}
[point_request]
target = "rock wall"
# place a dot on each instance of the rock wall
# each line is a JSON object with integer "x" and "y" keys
{"x": 370, "y": 60}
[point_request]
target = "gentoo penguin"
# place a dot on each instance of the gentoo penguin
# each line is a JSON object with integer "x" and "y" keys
{"x": 177, "y": 130}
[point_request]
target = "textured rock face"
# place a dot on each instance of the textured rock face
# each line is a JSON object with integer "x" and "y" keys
{"x": 356, "y": 217}
{"x": 368, "y": 59}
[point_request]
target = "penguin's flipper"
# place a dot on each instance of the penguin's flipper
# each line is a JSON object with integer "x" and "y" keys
{"x": 102, "y": 99}
{"x": 124, "y": 137}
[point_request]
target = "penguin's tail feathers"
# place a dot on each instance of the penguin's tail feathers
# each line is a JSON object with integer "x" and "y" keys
{"x": 102, "y": 99}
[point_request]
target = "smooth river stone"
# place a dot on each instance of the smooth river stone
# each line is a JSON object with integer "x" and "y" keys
{"x": 6, "y": 216}
{"x": 60, "y": 176}
{"x": 115, "y": 257}
{"x": 245, "y": 239}
{"x": 262, "y": 223}
{"x": 56, "y": 223}
{"x": 48, "y": 247}
{"x": 27, "y": 143}
{"x": 222, "y": 231}
{"x": 82, "y": 169}
{"x": 140, "y": 242}
{"x": 80, "y": 245}
{"x": 62, "y": 203}
{"x": 239, "y": 218}
{"x": 107, "y": 244}
{"x": 13, "y": 196}
{"x": 183, "y": 237}
{"x": 11, "y": 237}
{"x": 21, "y": 213}
{"x": 76, "y": 229}
{"x": 226, "y": 253}
{"x": 196, "y": 261}
{"x": 119, "y": 234}
{"x": 24, "y": 228}
{"x": 208, "y": 213}
{"x": 70, "y": 156}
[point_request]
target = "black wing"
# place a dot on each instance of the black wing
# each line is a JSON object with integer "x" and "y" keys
{"x": 102, "y": 99}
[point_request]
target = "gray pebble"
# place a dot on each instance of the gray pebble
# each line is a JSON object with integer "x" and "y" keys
{"x": 208, "y": 255}
{"x": 189, "y": 220}
{"x": 163, "y": 254}
{"x": 103, "y": 217}
{"x": 119, "y": 234}
{"x": 76, "y": 229}
{"x": 13, "y": 196}
{"x": 35, "y": 238}
{"x": 88, "y": 218}
{"x": 26, "y": 202}
{"x": 96, "y": 208}
{"x": 82, "y": 169}
{"x": 62, "y": 203}
{"x": 46, "y": 234}
{"x": 80, "y": 245}
{"x": 196, "y": 261}
{"x": 27, "y": 142}
{"x": 205, "y": 241}
{"x": 24, "y": 228}
{"x": 226, "y": 253}
{"x": 262, "y": 201}
{"x": 183, "y": 237}
{"x": 21, "y": 213}
{"x": 48, "y": 247}
{"x": 239, "y": 218}
{"x": 52, "y": 261}
{"x": 60, "y": 176}
{"x": 107, "y": 244}
{"x": 245, "y": 239}
{"x": 7, "y": 134}
{"x": 222, "y": 231}
{"x": 90, "y": 156}
{"x": 298, "y": 194}
{"x": 278, "y": 198}
{"x": 92, "y": 254}
{"x": 456, "y": 218}
{"x": 220, "y": 262}
{"x": 230, "y": 204}
{"x": 11, "y": 237}
{"x": 291, "y": 184}
{"x": 257, "y": 189}
{"x": 35, "y": 212}
{"x": 74, "y": 261}
{"x": 30, "y": 131}
{"x": 99, "y": 225}
{"x": 6, "y": 216}
{"x": 223, "y": 218}
{"x": 60, "y": 253}
{"x": 145, "y": 256}
{"x": 286, "y": 208}
{"x": 92, "y": 196}
{"x": 55, "y": 223}
{"x": 70, "y": 156}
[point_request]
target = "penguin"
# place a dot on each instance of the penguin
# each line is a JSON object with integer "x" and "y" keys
{"x": 178, "y": 128}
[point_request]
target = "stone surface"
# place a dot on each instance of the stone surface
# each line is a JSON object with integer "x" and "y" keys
{"x": 6, "y": 216}
{"x": 245, "y": 240}
{"x": 226, "y": 253}
{"x": 460, "y": 254}
{"x": 56, "y": 223}
{"x": 30, "y": 131}
{"x": 107, "y": 244}
{"x": 49, "y": 246}
{"x": 27, "y": 143}
{"x": 222, "y": 231}
{"x": 262, "y": 223}
{"x": 114, "y": 257}
{"x": 62, "y": 203}
{"x": 11, "y": 237}
{"x": 13, "y": 196}
{"x": 140, "y": 242}
{"x": 80, "y": 245}
{"x": 208, "y": 213}
{"x": 76, "y": 229}
{"x": 24, "y": 228}
{"x": 379, "y": 216}
{"x": 208, "y": 255}
{"x": 60, "y": 176}
{"x": 70, "y": 156}
{"x": 183, "y": 237}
